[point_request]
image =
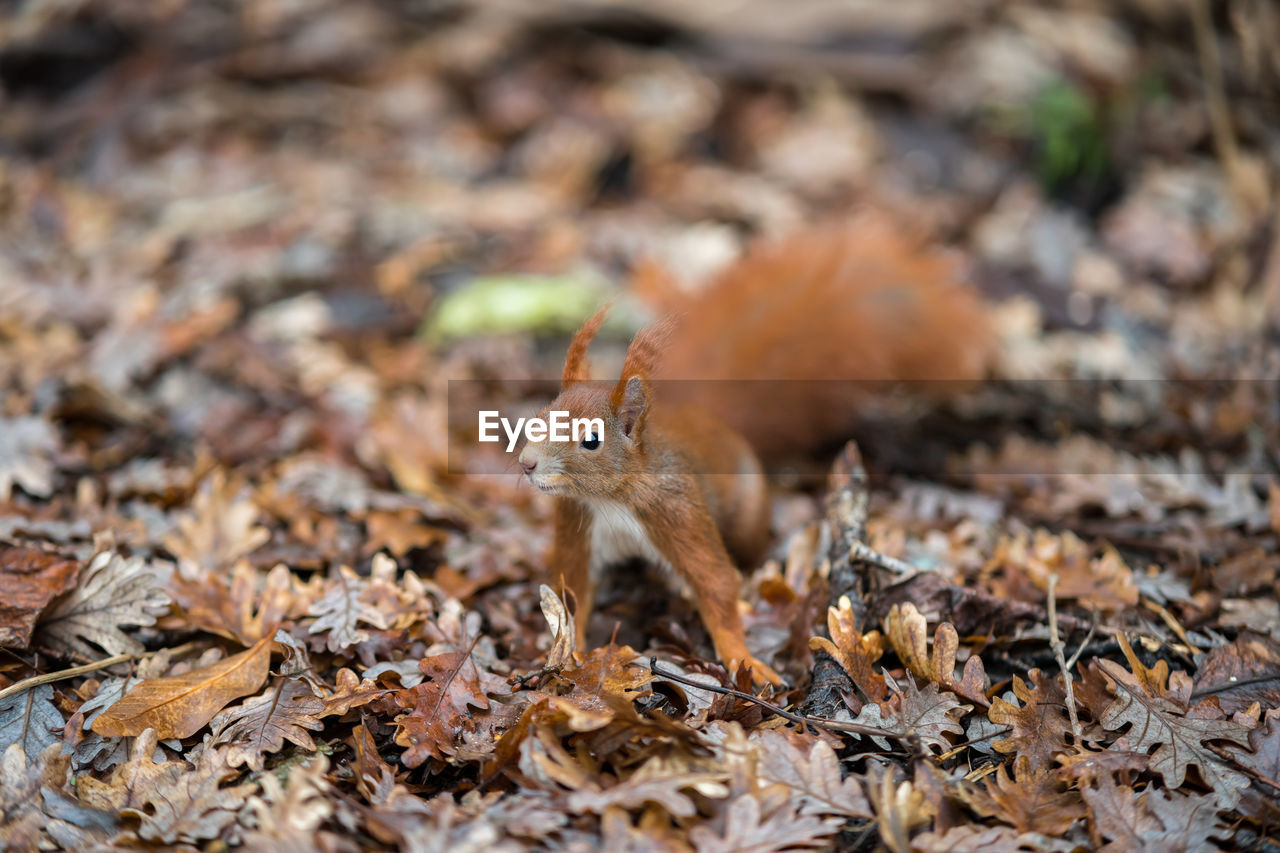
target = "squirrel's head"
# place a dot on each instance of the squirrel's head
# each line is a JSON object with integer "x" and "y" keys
{"x": 604, "y": 457}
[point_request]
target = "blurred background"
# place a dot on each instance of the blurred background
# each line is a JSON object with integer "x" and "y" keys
{"x": 267, "y": 228}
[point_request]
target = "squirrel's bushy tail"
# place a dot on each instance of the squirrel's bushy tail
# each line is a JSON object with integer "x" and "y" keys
{"x": 823, "y": 315}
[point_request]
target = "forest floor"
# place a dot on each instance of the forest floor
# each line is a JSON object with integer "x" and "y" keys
{"x": 251, "y": 597}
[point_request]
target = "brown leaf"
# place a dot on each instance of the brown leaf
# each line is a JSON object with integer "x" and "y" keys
{"x": 562, "y": 629}
{"x": 31, "y": 578}
{"x": 911, "y": 713}
{"x": 1031, "y": 800}
{"x": 179, "y": 706}
{"x": 173, "y": 801}
{"x": 27, "y": 445}
{"x": 1158, "y": 721}
{"x": 854, "y": 651}
{"x": 908, "y": 632}
{"x": 289, "y": 710}
{"x": 1039, "y": 725}
{"x": 220, "y": 529}
{"x": 813, "y": 775}
{"x": 1241, "y": 673}
{"x": 35, "y": 814}
{"x": 443, "y": 706}
{"x": 30, "y": 719}
{"x": 1156, "y": 821}
{"x": 974, "y": 838}
{"x": 341, "y": 609}
{"x": 242, "y": 605}
{"x": 751, "y": 829}
{"x": 113, "y": 592}
{"x": 655, "y": 782}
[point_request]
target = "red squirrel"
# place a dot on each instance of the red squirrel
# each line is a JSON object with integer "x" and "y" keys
{"x": 676, "y": 485}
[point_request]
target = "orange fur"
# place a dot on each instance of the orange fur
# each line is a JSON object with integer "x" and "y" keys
{"x": 671, "y": 481}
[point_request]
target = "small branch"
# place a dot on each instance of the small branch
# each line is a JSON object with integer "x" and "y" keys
{"x": 956, "y": 750}
{"x": 863, "y": 553}
{"x": 802, "y": 719}
{"x": 846, "y": 518}
{"x": 1055, "y": 643}
{"x": 1071, "y": 662}
{"x": 62, "y": 675}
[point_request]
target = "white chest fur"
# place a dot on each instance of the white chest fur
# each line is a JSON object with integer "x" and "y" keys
{"x": 618, "y": 536}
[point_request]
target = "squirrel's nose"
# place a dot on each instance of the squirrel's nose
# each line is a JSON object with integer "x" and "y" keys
{"x": 528, "y": 464}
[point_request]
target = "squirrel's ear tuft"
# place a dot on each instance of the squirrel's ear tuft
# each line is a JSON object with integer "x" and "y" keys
{"x": 575, "y": 362}
{"x": 646, "y": 349}
{"x": 631, "y": 400}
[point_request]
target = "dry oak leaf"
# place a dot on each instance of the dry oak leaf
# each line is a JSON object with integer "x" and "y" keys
{"x": 243, "y": 605}
{"x": 443, "y": 706}
{"x": 975, "y": 838}
{"x": 27, "y": 448}
{"x": 220, "y": 528}
{"x": 341, "y": 609}
{"x": 34, "y": 812}
{"x": 1241, "y": 673}
{"x": 913, "y": 713}
{"x": 812, "y": 774}
{"x": 655, "y": 782}
{"x": 1039, "y": 725}
{"x": 901, "y": 808}
{"x": 1157, "y": 821}
{"x": 907, "y": 630}
{"x": 30, "y": 578}
{"x": 854, "y": 651}
{"x": 30, "y": 720}
{"x": 748, "y": 830}
{"x": 174, "y": 801}
{"x": 114, "y": 592}
{"x": 1157, "y": 717}
{"x": 1105, "y": 583}
{"x": 178, "y": 706}
{"x": 1031, "y": 800}
{"x": 288, "y": 711}
{"x": 562, "y": 630}
{"x": 289, "y": 814}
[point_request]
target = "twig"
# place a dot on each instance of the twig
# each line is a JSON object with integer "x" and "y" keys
{"x": 1055, "y": 642}
{"x": 846, "y": 518}
{"x": 1224, "y": 138}
{"x": 802, "y": 719}
{"x": 1071, "y": 662}
{"x": 62, "y": 675}
{"x": 1173, "y": 624}
{"x": 955, "y": 750}
{"x": 862, "y": 552}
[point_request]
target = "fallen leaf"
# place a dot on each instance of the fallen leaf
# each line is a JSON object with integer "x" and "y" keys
{"x": 1157, "y": 720}
{"x": 179, "y": 706}
{"x": 1039, "y": 724}
{"x": 911, "y": 713}
{"x": 562, "y": 628}
{"x": 27, "y": 447}
{"x": 1156, "y": 821}
{"x": 113, "y": 592}
{"x": 748, "y": 830}
{"x": 220, "y": 528}
{"x": 30, "y": 720}
{"x": 907, "y": 630}
{"x": 174, "y": 801}
{"x": 287, "y": 711}
{"x": 1035, "y": 801}
{"x": 813, "y": 775}
{"x": 443, "y": 706}
{"x": 31, "y": 578}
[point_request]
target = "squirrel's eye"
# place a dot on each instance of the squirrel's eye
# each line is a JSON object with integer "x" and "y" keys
{"x": 591, "y": 442}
